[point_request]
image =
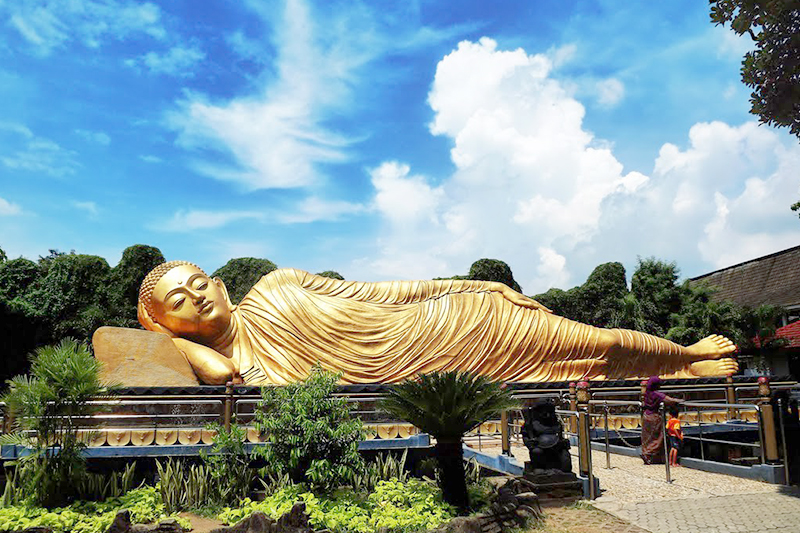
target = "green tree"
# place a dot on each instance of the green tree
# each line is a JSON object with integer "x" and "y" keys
{"x": 759, "y": 325}
{"x": 241, "y": 274}
{"x": 120, "y": 293}
{"x": 655, "y": 289}
{"x": 68, "y": 296}
{"x": 600, "y": 301}
{"x": 331, "y": 274}
{"x": 16, "y": 276}
{"x": 562, "y": 303}
{"x": 601, "y": 297}
{"x": 21, "y": 330}
{"x": 447, "y": 405}
{"x": 493, "y": 270}
{"x": 52, "y": 404}
{"x": 3, "y": 256}
{"x": 311, "y": 434}
{"x": 772, "y": 70}
{"x": 701, "y": 315}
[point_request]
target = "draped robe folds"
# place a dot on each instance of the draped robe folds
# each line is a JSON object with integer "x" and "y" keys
{"x": 388, "y": 331}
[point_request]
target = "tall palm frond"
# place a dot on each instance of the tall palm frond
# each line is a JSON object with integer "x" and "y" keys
{"x": 447, "y": 404}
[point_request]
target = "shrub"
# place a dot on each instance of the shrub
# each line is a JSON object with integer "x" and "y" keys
{"x": 181, "y": 486}
{"x": 228, "y": 465}
{"x": 397, "y": 506}
{"x": 51, "y": 404}
{"x": 311, "y": 434}
{"x": 144, "y": 504}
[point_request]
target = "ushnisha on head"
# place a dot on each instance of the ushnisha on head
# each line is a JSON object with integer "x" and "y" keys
{"x": 179, "y": 299}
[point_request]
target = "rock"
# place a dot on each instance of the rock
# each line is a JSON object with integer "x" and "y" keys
{"x": 166, "y": 526}
{"x": 139, "y": 358}
{"x": 528, "y": 498}
{"x": 463, "y": 524}
{"x": 295, "y": 521}
{"x": 121, "y": 523}
{"x": 526, "y": 512}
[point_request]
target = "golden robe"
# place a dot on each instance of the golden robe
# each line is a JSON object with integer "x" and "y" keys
{"x": 389, "y": 331}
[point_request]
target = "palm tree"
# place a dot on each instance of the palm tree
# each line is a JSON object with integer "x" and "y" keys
{"x": 52, "y": 404}
{"x": 447, "y": 405}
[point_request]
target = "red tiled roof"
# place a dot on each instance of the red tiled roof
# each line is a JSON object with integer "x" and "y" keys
{"x": 790, "y": 332}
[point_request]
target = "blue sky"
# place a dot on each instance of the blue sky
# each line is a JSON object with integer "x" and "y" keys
{"x": 388, "y": 140}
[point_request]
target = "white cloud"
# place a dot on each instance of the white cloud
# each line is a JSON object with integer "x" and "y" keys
{"x": 552, "y": 270}
{"x": 151, "y": 159}
{"x": 402, "y": 199}
{"x": 23, "y": 150}
{"x": 562, "y": 55}
{"x": 89, "y": 207}
{"x": 609, "y": 92}
{"x": 281, "y": 135}
{"x": 177, "y": 61}
{"x": 277, "y": 139}
{"x": 189, "y": 220}
{"x": 50, "y": 25}
{"x": 9, "y": 209}
{"x": 731, "y": 44}
{"x": 534, "y": 188}
{"x": 315, "y": 209}
{"x": 97, "y": 137}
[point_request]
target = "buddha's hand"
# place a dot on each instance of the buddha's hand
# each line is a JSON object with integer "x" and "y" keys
{"x": 210, "y": 366}
{"x": 520, "y": 299}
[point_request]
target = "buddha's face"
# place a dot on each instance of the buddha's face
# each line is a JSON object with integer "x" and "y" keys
{"x": 190, "y": 304}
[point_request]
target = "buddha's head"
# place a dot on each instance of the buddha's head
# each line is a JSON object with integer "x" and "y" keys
{"x": 179, "y": 299}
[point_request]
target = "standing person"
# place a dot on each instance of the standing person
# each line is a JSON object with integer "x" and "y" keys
{"x": 675, "y": 434}
{"x": 652, "y": 427}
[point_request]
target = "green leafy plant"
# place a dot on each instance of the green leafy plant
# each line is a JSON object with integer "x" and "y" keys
{"x": 182, "y": 486}
{"x": 48, "y": 407}
{"x": 311, "y": 434}
{"x": 228, "y": 465}
{"x": 102, "y": 486}
{"x": 398, "y": 506}
{"x": 386, "y": 467}
{"x": 144, "y": 504}
{"x": 447, "y": 405}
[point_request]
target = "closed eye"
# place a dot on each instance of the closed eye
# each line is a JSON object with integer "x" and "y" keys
{"x": 203, "y": 286}
{"x": 178, "y": 303}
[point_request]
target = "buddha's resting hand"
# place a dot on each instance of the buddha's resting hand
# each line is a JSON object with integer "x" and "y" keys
{"x": 211, "y": 367}
{"x": 517, "y": 298}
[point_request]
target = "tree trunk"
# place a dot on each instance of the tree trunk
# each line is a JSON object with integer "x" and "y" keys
{"x": 450, "y": 456}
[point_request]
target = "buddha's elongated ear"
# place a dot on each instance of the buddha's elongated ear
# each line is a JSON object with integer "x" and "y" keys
{"x": 148, "y": 323}
{"x": 224, "y": 289}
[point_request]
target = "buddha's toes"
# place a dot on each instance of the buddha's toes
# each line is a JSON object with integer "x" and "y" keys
{"x": 712, "y": 347}
{"x": 719, "y": 367}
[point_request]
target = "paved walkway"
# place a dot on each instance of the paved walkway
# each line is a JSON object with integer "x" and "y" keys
{"x": 695, "y": 502}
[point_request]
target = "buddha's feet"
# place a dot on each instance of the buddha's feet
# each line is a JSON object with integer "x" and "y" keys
{"x": 714, "y": 368}
{"x": 712, "y": 347}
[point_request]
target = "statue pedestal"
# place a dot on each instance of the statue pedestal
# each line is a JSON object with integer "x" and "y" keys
{"x": 553, "y": 483}
{"x": 140, "y": 358}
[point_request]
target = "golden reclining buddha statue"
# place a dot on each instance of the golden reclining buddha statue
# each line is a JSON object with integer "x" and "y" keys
{"x": 386, "y": 332}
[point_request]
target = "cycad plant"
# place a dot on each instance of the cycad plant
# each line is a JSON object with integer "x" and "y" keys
{"x": 48, "y": 407}
{"x": 447, "y": 405}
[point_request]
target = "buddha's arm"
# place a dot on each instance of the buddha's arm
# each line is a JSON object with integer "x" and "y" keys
{"x": 211, "y": 367}
{"x": 399, "y": 292}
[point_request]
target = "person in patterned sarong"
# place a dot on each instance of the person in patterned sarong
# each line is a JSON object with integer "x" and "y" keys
{"x": 652, "y": 424}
